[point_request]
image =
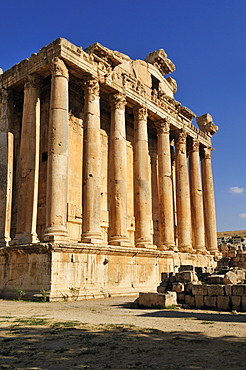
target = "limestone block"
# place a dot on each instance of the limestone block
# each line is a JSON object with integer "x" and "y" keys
{"x": 236, "y": 302}
{"x": 178, "y": 287}
{"x": 198, "y": 289}
{"x": 164, "y": 276}
{"x": 157, "y": 299}
{"x": 239, "y": 289}
{"x": 186, "y": 268}
{"x": 244, "y": 304}
{"x": 188, "y": 287}
{"x": 199, "y": 301}
{"x": 228, "y": 289}
{"x": 181, "y": 297}
{"x": 161, "y": 289}
{"x": 210, "y": 301}
{"x": 230, "y": 278}
{"x": 223, "y": 302}
{"x": 216, "y": 290}
{"x": 190, "y": 300}
{"x": 186, "y": 276}
{"x": 216, "y": 279}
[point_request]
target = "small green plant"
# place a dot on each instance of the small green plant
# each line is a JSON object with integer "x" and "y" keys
{"x": 30, "y": 322}
{"x": 20, "y": 293}
{"x": 44, "y": 294}
{"x": 207, "y": 322}
{"x": 65, "y": 324}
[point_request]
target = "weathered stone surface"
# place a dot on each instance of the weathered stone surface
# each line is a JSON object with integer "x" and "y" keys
{"x": 230, "y": 278}
{"x": 244, "y": 304}
{"x": 199, "y": 289}
{"x": 210, "y": 301}
{"x": 178, "y": 287}
{"x": 239, "y": 289}
{"x": 216, "y": 290}
{"x": 199, "y": 301}
{"x": 236, "y": 302}
{"x": 216, "y": 279}
{"x": 190, "y": 300}
{"x": 157, "y": 299}
{"x": 228, "y": 289}
{"x": 186, "y": 268}
{"x": 223, "y": 303}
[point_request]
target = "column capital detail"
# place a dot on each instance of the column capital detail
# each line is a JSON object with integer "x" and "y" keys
{"x": 117, "y": 101}
{"x": 163, "y": 126}
{"x": 195, "y": 145}
{"x": 32, "y": 81}
{"x": 140, "y": 113}
{"x": 58, "y": 67}
{"x": 91, "y": 86}
{"x": 180, "y": 137}
{"x": 206, "y": 153}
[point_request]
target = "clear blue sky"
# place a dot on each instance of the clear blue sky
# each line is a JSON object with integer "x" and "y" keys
{"x": 206, "y": 39}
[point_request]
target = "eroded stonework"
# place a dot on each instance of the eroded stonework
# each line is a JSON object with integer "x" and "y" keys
{"x": 98, "y": 163}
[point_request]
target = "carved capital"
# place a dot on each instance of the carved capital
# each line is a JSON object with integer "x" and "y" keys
{"x": 117, "y": 101}
{"x": 32, "y": 82}
{"x": 180, "y": 137}
{"x": 91, "y": 86}
{"x": 195, "y": 145}
{"x": 163, "y": 126}
{"x": 206, "y": 153}
{"x": 58, "y": 67}
{"x": 140, "y": 113}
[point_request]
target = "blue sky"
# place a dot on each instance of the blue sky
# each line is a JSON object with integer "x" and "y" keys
{"x": 206, "y": 39}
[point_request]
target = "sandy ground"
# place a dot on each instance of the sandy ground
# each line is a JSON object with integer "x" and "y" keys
{"x": 108, "y": 334}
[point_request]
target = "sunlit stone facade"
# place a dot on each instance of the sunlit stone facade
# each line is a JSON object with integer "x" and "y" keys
{"x": 104, "y": 180}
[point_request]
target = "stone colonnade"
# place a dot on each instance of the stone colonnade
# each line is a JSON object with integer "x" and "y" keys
{"x": 194, "y": 194}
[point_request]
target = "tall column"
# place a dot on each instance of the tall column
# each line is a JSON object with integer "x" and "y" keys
{"x": 6, "y": 169}
{"x": 165, "y": 187}
{"x": 118, "y": 172}
{"x": 57, "y": 171}
{"x": 183, "y": 195}
{"x": 92, "y": 159}
{"x": 209, "y": 202}
{"x": 29, "y": 164}
{"x": 196, "y": 198}
{"x": 142, "y": 186}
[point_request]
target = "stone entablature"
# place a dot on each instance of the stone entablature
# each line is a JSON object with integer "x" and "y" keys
{"x": 107, "y": 163}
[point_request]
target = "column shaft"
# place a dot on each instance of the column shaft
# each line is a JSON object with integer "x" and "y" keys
{"x": 29, "y": 164}
{"x": 196, "y": 197}
{"x": 92, "y": 160}
{"x": 183, "y": 195}
{"x": 57, "y": 171}
{"x": 165, "y": 187}
{"x": 209, "y": 202}
{"x": 142, "y": 187}
{"x": 118, "y": 172}
{"x": 6, "y": 170}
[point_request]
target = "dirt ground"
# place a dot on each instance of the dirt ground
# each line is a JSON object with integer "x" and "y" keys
{"x": 108, "y": 334}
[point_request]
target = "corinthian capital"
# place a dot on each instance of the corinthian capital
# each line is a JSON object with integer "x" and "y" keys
{"x": 140, "y": 113}
{"x": 180, "y": 137}
{"x": 91, "y": 86}
{"x": 163, "y": 126}
{"x": 206, "y": 153}
{"x": 117, "y": 101}
{"x": 195, "y": 145}
{"x": 58, "y": 67}
{"x": 32, "y": 81}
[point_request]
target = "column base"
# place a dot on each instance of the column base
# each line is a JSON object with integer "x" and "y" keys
{"x": 202, "y": 251}
{"x": 25, "y": 238}
{"x": 55, "y": 234}
{"x": 120, "y": 241}
{"x": 186, "y": 249}
{"x": 5, "y": 242}
{"x": 145, "y": 245}
{"x": 167, "y": 247}
{"x": 92, "y": 238}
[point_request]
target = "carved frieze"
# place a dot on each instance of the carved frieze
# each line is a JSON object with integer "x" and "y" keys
{"x": 159, "y": 59}
{"x": 205, "y": 123}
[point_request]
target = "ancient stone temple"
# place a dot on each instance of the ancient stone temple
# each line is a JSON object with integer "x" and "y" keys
{"x": 104, "y": 180}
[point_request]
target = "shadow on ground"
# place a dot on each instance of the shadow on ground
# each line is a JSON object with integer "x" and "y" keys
{"x": 115, "y": 347}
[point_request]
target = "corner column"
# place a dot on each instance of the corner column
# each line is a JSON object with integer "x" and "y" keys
{"x": 209, "y": 202}
{"x": 92, "y": 159}
{"x": 6, "y": 170}
{"x": 57, "y": 171}
{"x": 183, "y": 195}
{"x": 118, "y": 172}
{"x": 29, "y": 164}
{"x": 196, "y": 197}
{"x": 141, "y": 179}
{"x": 165, "y": 187}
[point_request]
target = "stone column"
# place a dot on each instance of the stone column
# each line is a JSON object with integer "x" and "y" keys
{"x": 29, "y": 164}
{"x": 118, "y": 172}
{"x": 142, "y": 187}
{"x": 6, "y": 170}
{"x": 209, "y": 202}
{"x": 57, "y": 171}
{"x": 92, "y": 158}
{"x": 183, "y": 195}
{"x": 196, "y": 197}
{"x": 165, "y": 188}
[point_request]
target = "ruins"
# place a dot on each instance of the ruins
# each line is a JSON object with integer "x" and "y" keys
{"x": 105, "y": 182}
